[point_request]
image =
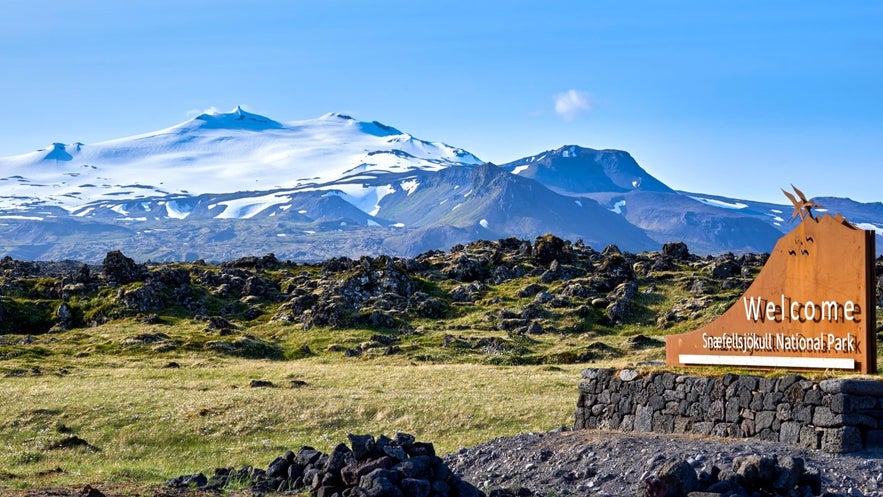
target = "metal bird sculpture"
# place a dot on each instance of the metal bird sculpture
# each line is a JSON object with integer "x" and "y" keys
{"x": 802, "y": 206}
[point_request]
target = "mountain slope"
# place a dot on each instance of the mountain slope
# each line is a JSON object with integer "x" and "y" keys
{"x": 704, "y": 228}
{"x": 508, "y": 205}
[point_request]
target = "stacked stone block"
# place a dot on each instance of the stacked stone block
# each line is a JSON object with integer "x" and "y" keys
{"x": 836, "y": 415}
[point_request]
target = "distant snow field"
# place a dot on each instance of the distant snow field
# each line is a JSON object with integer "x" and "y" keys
{"x": 211, "y": 152}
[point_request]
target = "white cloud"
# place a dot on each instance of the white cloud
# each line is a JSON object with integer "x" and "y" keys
{"x": 196, "y": 112}
{"x": 570, "y": 104}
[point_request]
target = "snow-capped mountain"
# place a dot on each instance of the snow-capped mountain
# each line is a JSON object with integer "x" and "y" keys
{"x": 158, "y": 174}
{"x": 226, "y": 185}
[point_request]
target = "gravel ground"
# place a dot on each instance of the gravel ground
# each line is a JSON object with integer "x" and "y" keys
{"x": 596, "y": 463}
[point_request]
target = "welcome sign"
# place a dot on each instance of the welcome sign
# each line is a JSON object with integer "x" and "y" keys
{"x": 812, "y": 306}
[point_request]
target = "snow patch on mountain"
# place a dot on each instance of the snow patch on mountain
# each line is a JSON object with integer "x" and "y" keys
{"x": 175, "y": 210}
{"x": 247, "y": 207}
{"x": 720, "y": 203}
{"x": 365, "y": 197}
{"x": 869, "y": 226}
{"x": 410, "y": 186}
{"x": 380, "y": 192}
{"x": 570, "y": 152}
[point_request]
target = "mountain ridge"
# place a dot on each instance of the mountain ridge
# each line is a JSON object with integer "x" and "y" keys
{"x": 333, "y": 184}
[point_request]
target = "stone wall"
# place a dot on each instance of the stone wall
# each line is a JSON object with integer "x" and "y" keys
{"x": 837, "y": 415}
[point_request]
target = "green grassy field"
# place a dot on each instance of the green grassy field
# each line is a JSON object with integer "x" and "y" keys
{"x": 144, "y": 422}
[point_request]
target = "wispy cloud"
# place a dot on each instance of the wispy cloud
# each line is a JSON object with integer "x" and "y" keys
{"x": 571, "y": 103}
{"x": 196, "y": 112}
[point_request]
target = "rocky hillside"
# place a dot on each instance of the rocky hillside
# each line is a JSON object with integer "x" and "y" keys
{"x": 508, "y": 301}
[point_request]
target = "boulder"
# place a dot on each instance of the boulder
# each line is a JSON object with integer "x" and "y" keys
{"x": 677, "y": 251}
{"x": 621, "y": 302}
{"x": 122, "y": 270}
{"x": 725, "y": 266}
{"x": 548, "y": 248}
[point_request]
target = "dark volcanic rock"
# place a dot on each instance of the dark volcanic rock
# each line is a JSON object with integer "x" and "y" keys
{"x": 674, "y": 478}
{"x": 725, "y": 266}
{"x": 548, "y": 248}
{"x": 146, "y": 298}
{"x": 468, "y": 268}
{"x": 267, "y": 261}
{"x": 621, "y": 302}
{"x": 121, "y": 270}
{"x": 563, "y": 279}
{"x": 468, "y": 292}
{"x": 677, "y": 251}
{"x": 363, "y": 470}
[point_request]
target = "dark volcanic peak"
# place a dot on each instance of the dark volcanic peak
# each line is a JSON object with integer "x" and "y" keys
{"x": 577, "y": 170}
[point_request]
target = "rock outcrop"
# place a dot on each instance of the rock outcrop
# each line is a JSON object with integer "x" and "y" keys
{"x": 368, "y": 467}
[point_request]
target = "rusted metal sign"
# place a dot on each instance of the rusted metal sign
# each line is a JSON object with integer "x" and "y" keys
{"x": 813, "y": 305}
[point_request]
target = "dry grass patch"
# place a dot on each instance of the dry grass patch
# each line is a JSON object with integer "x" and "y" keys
{"x": 144, "y": 422}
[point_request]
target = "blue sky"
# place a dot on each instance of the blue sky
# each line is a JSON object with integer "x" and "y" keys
{"x": 734, "y": 98}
